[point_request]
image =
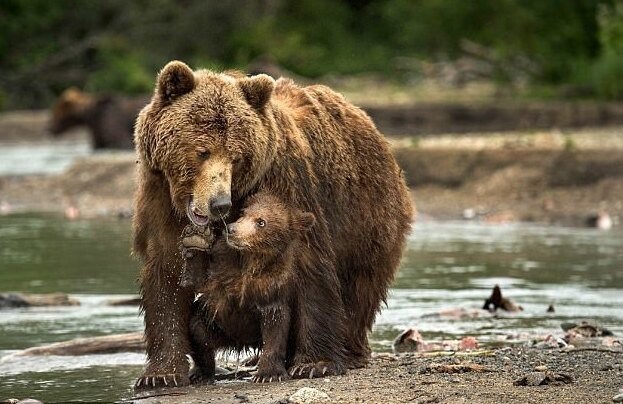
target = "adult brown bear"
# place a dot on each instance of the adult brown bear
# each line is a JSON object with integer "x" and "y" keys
{"x": 110, "y": 119}
{"x": 205, "y": 143}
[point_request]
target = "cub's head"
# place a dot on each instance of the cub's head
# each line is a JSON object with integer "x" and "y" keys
{"x": 268, "y": 225}
{"x": 69, "y": 110}
{"x": 209, "y": 135}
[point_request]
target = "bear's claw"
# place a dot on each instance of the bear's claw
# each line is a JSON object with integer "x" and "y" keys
{"x": 270, "y": 379}
{"x": 270, "y": 373}
{"x": 311, "y": 370}
{"x": 153, "y": 381}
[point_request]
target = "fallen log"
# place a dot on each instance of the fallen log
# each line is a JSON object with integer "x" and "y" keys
{"x": 17, "y": 300}
{"x": 133, "y": 301}
{"x": 107, "y": 344}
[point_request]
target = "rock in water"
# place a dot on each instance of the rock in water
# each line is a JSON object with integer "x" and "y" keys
{"x": 409, "y": 340}
{"x": 587, "y": 328}
{"x": 496, "y": 301}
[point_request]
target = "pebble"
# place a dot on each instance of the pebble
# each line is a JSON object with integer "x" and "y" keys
{"x": 531, "y": 379}
{"x": 541, "y": 368}
{"x": 618, "y": 398}
{"x": 308, "y": 395}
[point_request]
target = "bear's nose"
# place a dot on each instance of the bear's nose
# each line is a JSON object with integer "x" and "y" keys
{"x": 186, "y": 280}
{"x": 220, "y": 205}
{"x": 231, "y": 228}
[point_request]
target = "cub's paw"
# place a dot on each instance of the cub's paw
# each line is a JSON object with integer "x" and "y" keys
{"x": 311, "y": 370}
{"x": 196, "y": 238}
{"x": 154, "y": 381}
{"x": 270, "y": 374}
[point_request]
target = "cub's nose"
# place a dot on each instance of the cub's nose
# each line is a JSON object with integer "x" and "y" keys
{"x": 220, "y": 205}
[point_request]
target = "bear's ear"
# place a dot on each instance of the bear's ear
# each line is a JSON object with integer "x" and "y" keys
{"x": 303, "y": 221}
{"x": 175, "y": 79}
{"x": 257, "y": 89}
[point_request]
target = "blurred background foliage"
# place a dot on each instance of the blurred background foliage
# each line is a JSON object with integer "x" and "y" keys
{"x": 119, "y": 45}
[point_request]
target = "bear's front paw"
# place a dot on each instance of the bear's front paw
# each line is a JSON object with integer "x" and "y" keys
{"x": 318, "y": 369}
{"x": 266, "y": 374}
{"x": 153, "y": 381}
{"x": 196, "y": 238}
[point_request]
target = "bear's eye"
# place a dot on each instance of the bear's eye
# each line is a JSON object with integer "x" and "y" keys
{"x": 203, "y": 154}
{"x": 260, "y": 223}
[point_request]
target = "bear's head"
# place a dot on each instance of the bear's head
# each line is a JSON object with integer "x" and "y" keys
{"x": 210, "y": 135}
{"x": 267, "y": 225}
{"x": 69, "y": 110}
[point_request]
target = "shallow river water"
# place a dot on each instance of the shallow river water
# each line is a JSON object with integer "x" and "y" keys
{"x": 452, "y": 264}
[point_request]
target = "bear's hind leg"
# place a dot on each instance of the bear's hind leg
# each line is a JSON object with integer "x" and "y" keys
{"x": 319, "y": 331}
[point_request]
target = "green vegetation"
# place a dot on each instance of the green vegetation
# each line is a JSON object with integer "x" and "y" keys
{"x": 118, "y": 46}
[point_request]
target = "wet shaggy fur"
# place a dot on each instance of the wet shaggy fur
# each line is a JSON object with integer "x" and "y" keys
{"x": 248, "y": 282}
{"x": 207, "y": 135}
{"x": 109, "y": 119}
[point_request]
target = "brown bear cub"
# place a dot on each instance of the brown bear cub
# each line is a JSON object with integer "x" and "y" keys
{"x": 248, "y": 281}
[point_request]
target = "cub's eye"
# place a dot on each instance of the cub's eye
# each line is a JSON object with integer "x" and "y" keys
{"x": 260, "y": 223}
{"x": 203, "y": 154}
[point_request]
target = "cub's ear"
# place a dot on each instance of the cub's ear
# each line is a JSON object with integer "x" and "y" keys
{"x": 257, "y": 89}
{"x": 175, "y": 79}
{"x": 304, "y": 220}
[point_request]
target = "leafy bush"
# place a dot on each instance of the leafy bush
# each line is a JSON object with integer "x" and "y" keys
{"x": 118, "y": 46}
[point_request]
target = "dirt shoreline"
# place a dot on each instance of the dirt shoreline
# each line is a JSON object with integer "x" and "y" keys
{"x": 590, "y": 376}
{"x": 545, "y": 177}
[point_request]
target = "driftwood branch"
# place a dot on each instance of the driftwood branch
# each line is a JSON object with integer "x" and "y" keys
{"x": 108, "y": 344}
{"x": 594, "y": 349}
{"x": 16, "y": 300}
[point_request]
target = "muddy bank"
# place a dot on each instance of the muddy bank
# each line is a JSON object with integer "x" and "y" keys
{"x": 558, "y": 187}
{"x": 428, "y": 119}
{"x": 408, "y": 120}
{"x": 99, "y": 185}
{"x": 547, "y": 177}
{"x": 580, "y": 376}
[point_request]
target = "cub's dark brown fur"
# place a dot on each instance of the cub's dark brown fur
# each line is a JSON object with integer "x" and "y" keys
{"x": 249, "y": 283}
{"x": 109, "y": 119}
{"x": 206, "y": 143}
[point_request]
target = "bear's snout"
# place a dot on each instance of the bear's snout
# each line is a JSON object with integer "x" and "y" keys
{"x": 220, "y": 205}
